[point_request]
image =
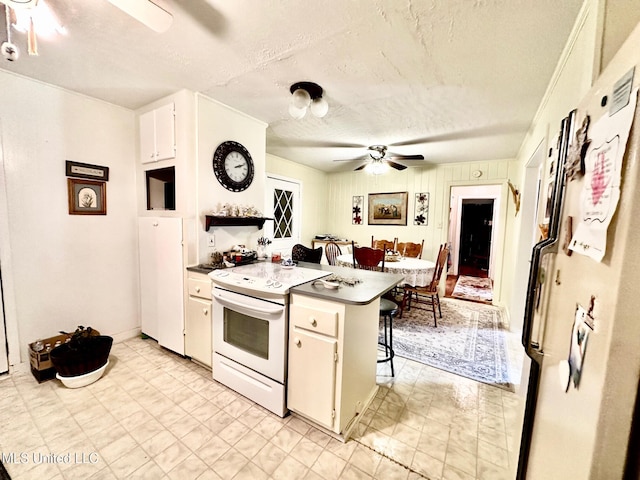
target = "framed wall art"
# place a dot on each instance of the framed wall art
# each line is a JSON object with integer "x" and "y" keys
{"x": 85, "y": 170}
{"x": 87, "y": 197}
{"x": 421, "y": 209}
{"x": 388, "y": 208}
{"x": 357, "y": 205}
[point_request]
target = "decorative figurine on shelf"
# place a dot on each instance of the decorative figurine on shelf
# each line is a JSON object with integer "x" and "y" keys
{"x": 263, "y": 242}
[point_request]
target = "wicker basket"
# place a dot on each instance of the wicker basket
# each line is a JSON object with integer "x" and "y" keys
{"x": 85, "y": 353}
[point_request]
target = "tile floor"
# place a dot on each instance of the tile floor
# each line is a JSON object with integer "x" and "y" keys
{"x": 155, "y": 415}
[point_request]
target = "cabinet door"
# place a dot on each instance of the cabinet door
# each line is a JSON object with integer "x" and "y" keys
{"x": 162, "y": 280}
{"x": 149, "y": 274}
{"x": 312, "y": 376}
{"x": 197, "y": 337}
{"x": 147, "y": 137}
{"x": 165, "y": 132}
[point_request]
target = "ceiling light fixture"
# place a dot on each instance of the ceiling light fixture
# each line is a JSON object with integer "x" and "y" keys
{"x": 377, "y": 167}
{"x": 307, "y": 95}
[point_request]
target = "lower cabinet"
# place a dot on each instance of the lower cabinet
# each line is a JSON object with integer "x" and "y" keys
{"x": 197, "y": 335}
{"x": 308, "y": 353}
{"x": 332, "y": 360}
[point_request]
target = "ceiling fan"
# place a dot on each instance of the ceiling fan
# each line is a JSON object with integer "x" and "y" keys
{"x": 378, "y": 160}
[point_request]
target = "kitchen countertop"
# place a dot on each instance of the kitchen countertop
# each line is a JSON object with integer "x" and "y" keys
{"x": 373, "y": 285}
{"x": 202, "y": 268}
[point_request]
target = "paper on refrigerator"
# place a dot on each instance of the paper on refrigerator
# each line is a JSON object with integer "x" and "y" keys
{"x": 601, "y": 183}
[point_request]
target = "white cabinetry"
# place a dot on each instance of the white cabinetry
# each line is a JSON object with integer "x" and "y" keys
{"x": 197, "y": 336}
{"x": 332, "y": 360}
{"x": 162, "y": 280}
{"x": 157, "y": 134}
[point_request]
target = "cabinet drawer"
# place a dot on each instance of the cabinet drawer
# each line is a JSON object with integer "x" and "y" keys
{"x": 199, "y": 288}
{"x": 314, "y": 319}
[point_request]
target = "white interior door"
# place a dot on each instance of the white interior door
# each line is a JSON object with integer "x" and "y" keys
{"x": 4, "y": 358}
{"x": 283, "y": 205}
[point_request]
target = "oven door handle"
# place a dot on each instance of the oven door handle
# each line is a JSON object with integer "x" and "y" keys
{"x": 275, "y": 310}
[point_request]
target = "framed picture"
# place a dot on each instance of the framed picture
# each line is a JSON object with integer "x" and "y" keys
{"x": 85, "y": 170}
{"x": 388, "y": 208}
{"x": 421, "y": 207}
{"x": 357, "y": 205}
{"x": 87, "y": 197}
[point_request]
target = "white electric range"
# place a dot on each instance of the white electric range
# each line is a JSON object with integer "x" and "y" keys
{"x": 250, "y": 307}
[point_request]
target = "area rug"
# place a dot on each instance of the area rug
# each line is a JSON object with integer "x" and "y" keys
{"x": 473, "y": 288}
{"x": 469, "y": 340}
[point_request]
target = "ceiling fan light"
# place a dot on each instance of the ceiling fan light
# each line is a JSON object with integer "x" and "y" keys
{"x": 300, "y": 98}
{"x": 296, "y": 112}
{"x": 319, "y": 107}
{"x": 377, "y": 167}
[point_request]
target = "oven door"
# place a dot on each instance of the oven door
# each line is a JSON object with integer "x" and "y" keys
{"x": 251, "y": 332}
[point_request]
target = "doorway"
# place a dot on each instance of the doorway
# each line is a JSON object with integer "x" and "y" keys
{"x": 475, "y": 237}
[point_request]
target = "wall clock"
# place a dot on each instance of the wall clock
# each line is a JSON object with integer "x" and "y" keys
{"x": 233, "y": 166}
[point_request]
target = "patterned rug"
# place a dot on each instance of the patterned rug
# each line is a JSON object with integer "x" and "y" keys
{"x": 473, "y": 288}
{"x": 469, "y": 340}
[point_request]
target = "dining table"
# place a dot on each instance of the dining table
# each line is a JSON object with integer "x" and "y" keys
{"x": 416, "y": 272}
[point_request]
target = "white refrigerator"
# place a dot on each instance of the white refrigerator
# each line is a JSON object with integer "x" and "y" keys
{"x": 582, "y": 316}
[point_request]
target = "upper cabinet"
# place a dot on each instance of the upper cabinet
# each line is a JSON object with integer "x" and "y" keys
{"x": 158, "y": 134}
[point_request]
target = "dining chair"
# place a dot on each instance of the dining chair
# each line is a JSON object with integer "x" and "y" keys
{"x": 430, "y": 291}
{"x": 300, "y": 253}
{"x": 332, "y": 250}
{"x": 410, "y": 249}
{"x": 384, "y": 244}
{"x": 366, "y": 258}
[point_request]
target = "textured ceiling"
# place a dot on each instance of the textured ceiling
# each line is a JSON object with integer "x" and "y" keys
{"x": 453, "y": 80}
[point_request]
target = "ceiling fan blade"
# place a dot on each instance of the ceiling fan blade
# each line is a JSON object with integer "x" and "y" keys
{"x": 395, "y": 165}
{"x": 146, "y": 12}
{"x": 406, "y": 157}
{"x": 347, "y": 159}
{"x": 361, "y": 167}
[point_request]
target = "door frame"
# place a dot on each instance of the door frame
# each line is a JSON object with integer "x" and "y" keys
{"x": 499, "y": 230}
{"x": 472, "y": 192}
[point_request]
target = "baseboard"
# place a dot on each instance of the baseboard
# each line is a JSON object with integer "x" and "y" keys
{"x": 126, "y": 335}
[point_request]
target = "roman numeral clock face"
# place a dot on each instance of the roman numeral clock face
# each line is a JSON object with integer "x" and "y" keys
{"x": 233, "y": 166}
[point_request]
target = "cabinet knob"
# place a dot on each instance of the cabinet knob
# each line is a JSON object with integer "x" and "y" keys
{"x": 313, "y": 322}
{"x": 198, "y": 289}
{"x": 205, "y": 311}
{"x": 297, "y": 342}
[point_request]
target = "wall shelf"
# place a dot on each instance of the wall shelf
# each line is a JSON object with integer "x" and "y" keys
{"x": 214, "y": 221}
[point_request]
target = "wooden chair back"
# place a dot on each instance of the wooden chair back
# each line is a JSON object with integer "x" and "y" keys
{"x": 410, "y": 249}
{"x": 300, "y": 253}
{"x": 366, "y": 258}
{"x": 384, "y": 244}
{"x": 332, "y": 250}
{"x": 441, "y": 261}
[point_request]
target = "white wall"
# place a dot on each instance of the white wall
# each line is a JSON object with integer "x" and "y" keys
{"x": 217, "y": 123}
{"x": 61, "y": 270}
{"x": 571, "y": 80}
